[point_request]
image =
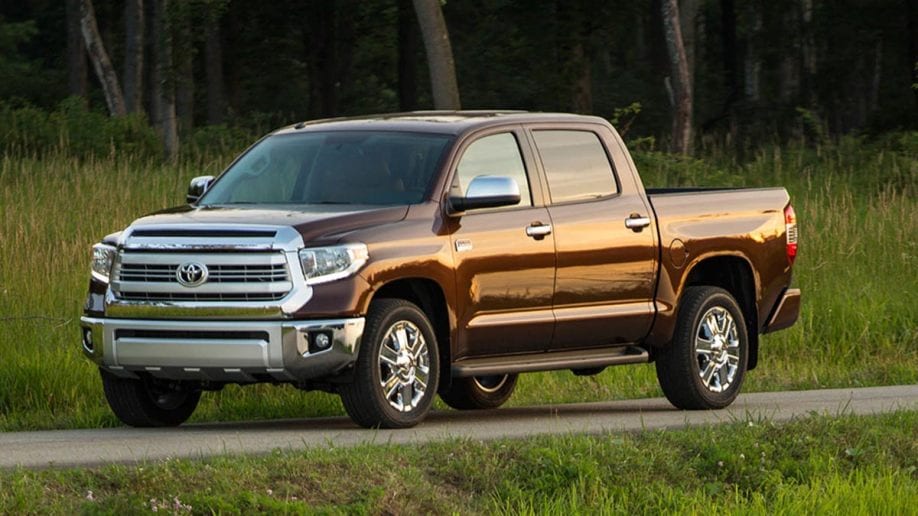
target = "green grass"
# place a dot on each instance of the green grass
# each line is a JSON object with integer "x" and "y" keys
{"x": 818, "y": 465}
{"x": 856, "y": 201}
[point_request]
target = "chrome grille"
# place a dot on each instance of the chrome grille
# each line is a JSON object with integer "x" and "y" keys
{"x": 158, "y": 297}
{"x": 146, "y": 272}
{"x": 246, "y": 277}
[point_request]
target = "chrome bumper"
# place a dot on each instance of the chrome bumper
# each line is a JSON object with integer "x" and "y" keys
{"x": 223, "y": 351}
{"x": 786, "y": 312}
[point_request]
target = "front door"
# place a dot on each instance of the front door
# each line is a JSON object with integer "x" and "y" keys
{"x": 504, "y": 276}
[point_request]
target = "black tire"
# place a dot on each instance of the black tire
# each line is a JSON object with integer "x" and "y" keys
{"x": 705, "y": 313}
{"x": 148, "y": 402}
{"x": 367, "y": 401}
{"x": 479, "y": 392}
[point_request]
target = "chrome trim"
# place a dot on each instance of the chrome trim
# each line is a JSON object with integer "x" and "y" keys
{"x": 197, "y": 187}
{"x": 637, "y": 222}
{"x": 538, "y": 231}
{"x": 282, "y": 248}
{"x": 283, "y": 356}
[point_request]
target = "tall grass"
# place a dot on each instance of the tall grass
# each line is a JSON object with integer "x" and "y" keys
{"x": 859, "y": 247}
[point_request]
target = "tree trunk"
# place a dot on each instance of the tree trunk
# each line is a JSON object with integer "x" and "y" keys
{"x": 443, "y": 82}
{"x": 682, "y": 85}
{"x": 729, "y": 49}
{"x": 133, "y": 55}
{"x": 912, "y": 9}
{"x": 213, "y": 70}
{"x": 183, "y": 54}
{"x": 407, "y": 57}
{"x": 752, "y": 63}
{"x": 114, "y": 97}
{"x": 76, "y": 51}
{"x": 163, "y": 88}
{"x": 688, "y": 21}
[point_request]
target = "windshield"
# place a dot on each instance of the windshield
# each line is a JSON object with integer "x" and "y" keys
{"x": 335, "y": 167}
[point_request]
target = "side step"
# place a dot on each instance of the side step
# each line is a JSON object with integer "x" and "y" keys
{"x": 550, "y": 361}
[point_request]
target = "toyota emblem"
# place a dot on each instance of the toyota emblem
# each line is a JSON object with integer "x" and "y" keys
{"x": 191, "y": 274}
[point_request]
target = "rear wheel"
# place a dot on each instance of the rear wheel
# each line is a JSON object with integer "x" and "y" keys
{"x": 150, "y": 402}
{"x": 397, "y": 371}
{"x": 704, "y": 366}
{"x": 480, "y": 392}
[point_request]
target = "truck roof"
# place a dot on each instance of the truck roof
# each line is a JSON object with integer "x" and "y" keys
{"x": 443, "y": 122}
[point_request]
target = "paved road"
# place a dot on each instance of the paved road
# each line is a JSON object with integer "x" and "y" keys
{"x": 128, "y": 445}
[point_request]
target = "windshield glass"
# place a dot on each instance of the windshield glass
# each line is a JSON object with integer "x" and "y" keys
{"x": 335, "y": 167}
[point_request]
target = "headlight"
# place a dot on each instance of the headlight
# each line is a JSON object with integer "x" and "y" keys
{"x": 103, "y": 256}
{"x": 324, "y": 264}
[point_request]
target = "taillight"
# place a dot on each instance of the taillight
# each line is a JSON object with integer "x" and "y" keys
{"x": 790, "y": 232}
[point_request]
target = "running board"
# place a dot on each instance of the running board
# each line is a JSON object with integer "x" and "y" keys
{"x": 550, "y": 361}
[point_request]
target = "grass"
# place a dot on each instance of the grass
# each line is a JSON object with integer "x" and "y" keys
{"x": 818, "y": 465}
{"x": 856, "y": 201}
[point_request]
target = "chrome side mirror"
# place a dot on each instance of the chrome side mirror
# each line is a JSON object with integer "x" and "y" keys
{"x": 487, "y": 192}
{"x": 197, "y": 187}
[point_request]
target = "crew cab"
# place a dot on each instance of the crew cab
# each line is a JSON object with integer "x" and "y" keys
{"x": 392, "y": 258}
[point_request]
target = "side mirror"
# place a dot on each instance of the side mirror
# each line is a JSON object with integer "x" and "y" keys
{"x": 487, "y": 192}
{"x": 197, "y": 187}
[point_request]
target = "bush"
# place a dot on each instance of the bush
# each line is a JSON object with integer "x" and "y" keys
{"x": 74, "y": 130}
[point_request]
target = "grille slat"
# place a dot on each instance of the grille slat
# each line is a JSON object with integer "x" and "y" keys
{"x": 253, "y": 269}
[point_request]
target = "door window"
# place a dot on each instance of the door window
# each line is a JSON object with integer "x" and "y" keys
{"x": 575, "y": 164}
{"x": 495, "y": 155}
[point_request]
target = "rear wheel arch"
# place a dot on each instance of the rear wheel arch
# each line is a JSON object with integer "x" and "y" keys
{"x": 735, "y": 275}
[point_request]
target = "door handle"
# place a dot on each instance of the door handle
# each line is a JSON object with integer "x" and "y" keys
{"x": 538, "y": 230}
{"x": 637, "y": 222}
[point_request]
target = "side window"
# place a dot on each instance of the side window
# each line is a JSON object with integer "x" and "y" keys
{"x": 495, "y": 155}
{"x": 575, "y": 164}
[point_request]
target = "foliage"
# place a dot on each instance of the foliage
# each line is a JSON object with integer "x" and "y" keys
{"x": 825, "y": 465}
{"x": 74, "y": 130}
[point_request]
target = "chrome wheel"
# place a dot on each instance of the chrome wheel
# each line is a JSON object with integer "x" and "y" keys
{"x": 490, "y": 384}
{"x": 404, "y": 366}
{"x": 717, "y": 349}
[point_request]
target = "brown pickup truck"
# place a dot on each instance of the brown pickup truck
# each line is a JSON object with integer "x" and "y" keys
{"x": 392, "y": 258}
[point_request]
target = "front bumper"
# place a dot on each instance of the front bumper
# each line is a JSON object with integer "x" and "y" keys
{"x": 223, "y": 351}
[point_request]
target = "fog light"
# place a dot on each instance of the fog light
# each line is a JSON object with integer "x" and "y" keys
{"x": 319, "y": 341}
{"x": 322, "y": 341}
{"x": 87, "y": 340}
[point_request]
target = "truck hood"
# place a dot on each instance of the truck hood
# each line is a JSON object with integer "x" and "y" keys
{"x": 312, "y": 222}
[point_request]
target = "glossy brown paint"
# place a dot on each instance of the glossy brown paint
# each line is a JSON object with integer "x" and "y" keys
{"x": 592, "y": 283}
{"x": 745, "y": 224}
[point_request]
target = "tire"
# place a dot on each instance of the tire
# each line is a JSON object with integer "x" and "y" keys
{"x": 480, "y": 392}
{"x": 393, "y": 388}
{"x": 704, "y": 366}
{"x": 149, "y": 402}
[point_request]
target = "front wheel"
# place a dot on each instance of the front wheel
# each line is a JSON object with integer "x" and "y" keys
{"x": 150, "y": 402}
{"x": 704, "y": 366}
{"x": 480, "y": 392}
{"x": 397, "y": 370}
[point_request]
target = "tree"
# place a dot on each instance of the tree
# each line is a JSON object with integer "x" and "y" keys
{"x": 114, "y": 97}
{"x": 407, "y": 54}
{"x": 162, "y": 86}
{"x": 443, "y": 82}
{"x": 681, "y": 80}
{"x": 213, "y": 67}
{"x": 76, "y": 51}
{"x": 133, "y": 55}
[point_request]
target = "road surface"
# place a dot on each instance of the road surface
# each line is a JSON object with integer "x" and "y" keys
{"x": 129, "y": 445}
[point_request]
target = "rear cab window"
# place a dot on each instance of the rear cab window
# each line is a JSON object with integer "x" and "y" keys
{"x": 576, "y": 165}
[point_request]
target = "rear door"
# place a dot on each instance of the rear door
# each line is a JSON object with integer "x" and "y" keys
{"x": 504, "y": 277}
{"x": 606, "y": 255}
